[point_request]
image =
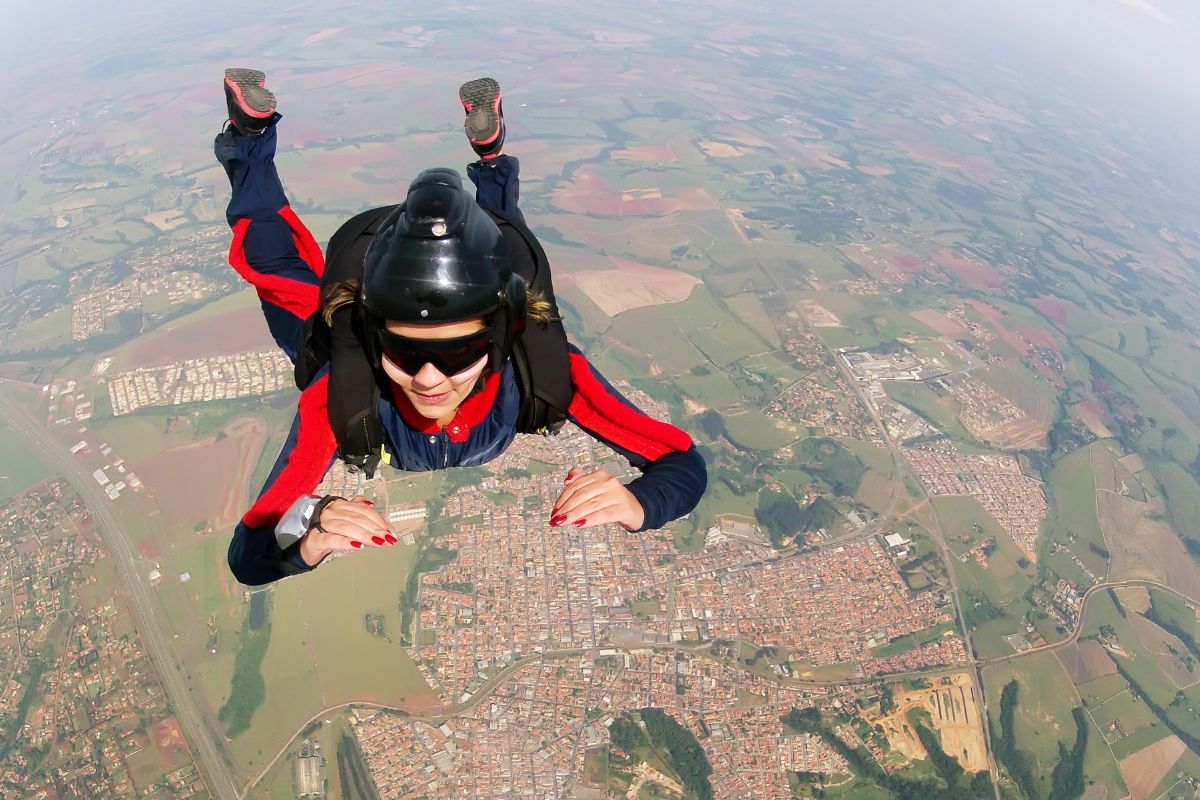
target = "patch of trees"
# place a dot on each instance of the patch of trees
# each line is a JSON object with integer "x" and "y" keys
{"x": 37, "y": 666}
{"x": 1066, "y": 782}
{"x": 946, "y": 766}
{"x": 625, "y": 734}
{"x": 1018, "y": 762}
{"x": 1112, "y": 595}
{"x": 899, "y": 787}
{"x": 248, "y": 689}
{"x": 783, "y": 517}
{"x": 712, "y": 424}
{"x": 834, "y": 464}
{"x": 1100, "y": 551}
{"x": 690, "y": 762}
{"x": 887, "y": 701}
{"x": 661, "y": 730}
{"x": 353, "y": 775}
{"x": 980, "y": 609}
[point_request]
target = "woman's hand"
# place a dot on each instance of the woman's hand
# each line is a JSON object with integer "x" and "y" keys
{"x": 596, "y": 498}
{"x": 348, "y": 525}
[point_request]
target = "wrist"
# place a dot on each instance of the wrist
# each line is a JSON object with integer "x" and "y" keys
{"x": 311, "y": 553}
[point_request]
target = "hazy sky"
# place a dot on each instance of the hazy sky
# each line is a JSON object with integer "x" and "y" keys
{"x": 1136, "y": 55}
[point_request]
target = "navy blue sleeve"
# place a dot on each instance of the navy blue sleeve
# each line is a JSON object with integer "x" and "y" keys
{"x": 674, "y": 476}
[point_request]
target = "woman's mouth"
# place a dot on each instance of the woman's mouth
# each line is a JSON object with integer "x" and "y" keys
{"x": 432, "y": 399}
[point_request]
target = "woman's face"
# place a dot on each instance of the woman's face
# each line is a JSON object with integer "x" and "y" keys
{"x": 434, "y": 395}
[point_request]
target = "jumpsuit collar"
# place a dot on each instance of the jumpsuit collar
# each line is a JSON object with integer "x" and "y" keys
{"x": 470, "y": 413}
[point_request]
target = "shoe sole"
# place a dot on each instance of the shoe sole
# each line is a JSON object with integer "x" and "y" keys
{"x": 253, "y": 99}
{"x": 481, "y": 99}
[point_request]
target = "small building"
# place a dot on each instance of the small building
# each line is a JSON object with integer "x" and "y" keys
{"x": 310, "y": 780}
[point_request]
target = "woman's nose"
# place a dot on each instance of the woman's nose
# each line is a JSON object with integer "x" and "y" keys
{"x": 428, "y": 376}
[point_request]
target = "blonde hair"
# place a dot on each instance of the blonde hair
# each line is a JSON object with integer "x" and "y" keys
{"x": 343, "y": 293}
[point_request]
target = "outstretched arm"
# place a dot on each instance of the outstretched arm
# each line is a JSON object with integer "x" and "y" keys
{"x": 673, "y": 473}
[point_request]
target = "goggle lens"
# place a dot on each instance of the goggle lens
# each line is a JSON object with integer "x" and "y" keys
{"x": 448, "y": 356}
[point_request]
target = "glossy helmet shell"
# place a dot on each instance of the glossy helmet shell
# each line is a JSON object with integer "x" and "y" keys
{"x": 438, "y": 257}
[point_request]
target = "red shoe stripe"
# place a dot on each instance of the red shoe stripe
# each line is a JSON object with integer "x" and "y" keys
{"x": 246, "y": 109}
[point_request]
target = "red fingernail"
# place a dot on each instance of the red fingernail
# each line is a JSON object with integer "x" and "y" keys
{"x": 579, "y": 522}
{"x": 377, "y": 540}
{"x": 559, "y": 520}
{"x": 368, "y": 502}
{"x": 356, "y": 544}
{"x": 391, "y": 539}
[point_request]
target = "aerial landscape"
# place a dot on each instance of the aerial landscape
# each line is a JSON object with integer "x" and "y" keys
{"x": 926, "y": 301}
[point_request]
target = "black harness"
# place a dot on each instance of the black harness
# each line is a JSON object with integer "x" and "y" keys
{"x": 539, "y": 354}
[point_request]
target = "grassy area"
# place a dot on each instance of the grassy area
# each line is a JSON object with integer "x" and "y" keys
{"x": 749, "y": 307}
{"x": 367, "y": 583}
{"x": 1071, "y": 494}
{"x": 1043, "y": 718}
{"x": 212, "y": 585}
{"x": 714, "y": 331}
{"x": 753, "y": 431}
{"x": 910, "y": 641}
{"x": 52, "y": 330}
{"x": 19, "y": 468}
{"x": 713, "y": 389}
{"x": 1003, "y": 580}
{"x": 940, "y": 411}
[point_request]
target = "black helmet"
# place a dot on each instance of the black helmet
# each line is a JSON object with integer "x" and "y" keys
{"x": 437, "y": 258}
{"x": 440, "y": 258}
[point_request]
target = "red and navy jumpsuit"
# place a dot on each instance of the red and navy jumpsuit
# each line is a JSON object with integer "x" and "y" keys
{"x": 275, "y": 253}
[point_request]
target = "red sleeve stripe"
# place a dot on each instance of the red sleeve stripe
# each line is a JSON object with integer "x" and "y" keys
{"x": 306, "y": 463}
{"x": 597, "y": 410}
{"x": 293, "y": 296}
{"x": 307, "y": 246}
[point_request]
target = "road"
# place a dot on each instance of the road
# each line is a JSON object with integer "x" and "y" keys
{"x": 202, "y": 740}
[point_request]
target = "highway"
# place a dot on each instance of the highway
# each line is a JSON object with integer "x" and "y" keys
{"x": 200, "y": 737}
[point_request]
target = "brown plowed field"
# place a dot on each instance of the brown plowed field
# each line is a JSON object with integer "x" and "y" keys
{"x": 1144, "y": 548}
{"x": 1146, "y": 768}
{"x": 1086, "y": 662}
{"x": 206, "y": 480}
{"x": 632, "y": 285}
{"x": 236, "y": 331}
{"x": 938, "y": 321}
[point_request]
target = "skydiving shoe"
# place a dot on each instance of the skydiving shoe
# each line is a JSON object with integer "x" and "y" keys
{"x": 485, "y": 116}
{"x": 251, "y": 105}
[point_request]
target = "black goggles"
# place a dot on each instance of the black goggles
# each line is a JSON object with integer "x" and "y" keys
{"x": 448, "y": 356}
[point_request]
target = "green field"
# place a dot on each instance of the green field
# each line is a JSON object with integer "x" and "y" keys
{"x": 940, "y": 411}
{"x": 1071, "y": 490}
{"x": 715, "y": 332}
{"x": 19, "y": 468}
{"x": 212, "y": 585}
{"x": 1003, "y": 580}
{"x": 749, "y": 309}
{"x": 753, "y": 431}
{"x": 714, "y": 390}
{"x": 1043, "y": 718}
